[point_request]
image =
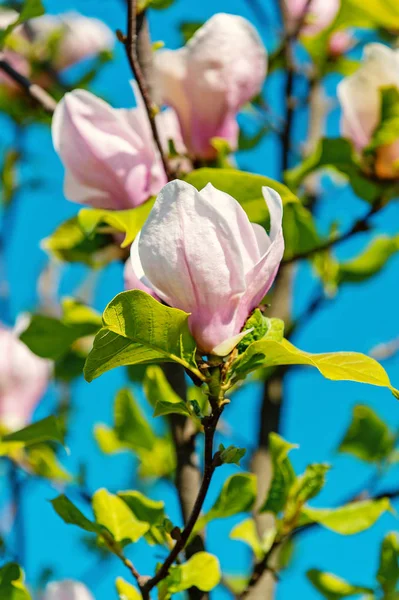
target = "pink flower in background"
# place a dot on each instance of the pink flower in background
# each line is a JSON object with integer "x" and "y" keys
{"x": 315, "y": 17}
{"x": 360, "y": 98}
{"x": 67, "y": 590}
{"x": 109, "y": 154}
{"x": 80, "y": 37}
{"x": 132, "y": 281}
{"x": 199, "y": 252}
{"x": 340, "y": 42}
{"x": 23, "y": 380}
{"x": 208, "y": 81}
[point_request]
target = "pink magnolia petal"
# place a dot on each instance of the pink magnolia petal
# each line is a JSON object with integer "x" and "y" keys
{"x": 359, "y": 94}
{"x": 133, "y": 282}
{"x": 67, "y": 590}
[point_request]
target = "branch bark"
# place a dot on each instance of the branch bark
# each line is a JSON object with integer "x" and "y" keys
{"x": 33, "y": 90}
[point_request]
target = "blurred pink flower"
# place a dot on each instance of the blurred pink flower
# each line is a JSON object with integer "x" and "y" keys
{"x": 109, "y": 155}
{"x": 208, "y": 81}
{"x": 132, "y": 281}
{"x": 360, "y": 98}
{"x": 67, "y": 590}
{"x": 23, "y": 380}
{"x": 80, "y": 37}
{"x": 199, "y": 252}
{"x": 340, "y": 42}
{"x": 315, "y": 17}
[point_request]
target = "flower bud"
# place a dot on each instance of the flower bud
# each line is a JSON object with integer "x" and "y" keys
{"x": 209, "y": 80}
{"x": 80, "y": 37}
{"x": 109, "y": 155}
{"x": 360, "y": 98}
{"x": 199, "y": 252}
{"x": 23, "y": 380}
{"x": 313, "y": 16}
{"x": 67, "y": 590}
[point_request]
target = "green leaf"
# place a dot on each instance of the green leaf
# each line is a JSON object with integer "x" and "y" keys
{"x": 188, "y": 28}
{"x": 246, "y": 532}
{"x": 161, "y": 395}
{"x": 338, "y": 366}
{"x": 338, "y": 154}
{"x": 388, "y": 570}
{"x": 201, "y": 571}
{"x": 128, "y": 221}
{"x": 71, "y": 515}
{"x": 351, "y": 518}
{"x": 144, "y": 509}
{"x": 42, "y": 460}
{"x": 238, "y": 495}
{"x": 306, "y": 487}
{"x": 370, "y": 261}
{"x": 69, "y": 243}
{"x": 387, "y": 130}
{"x": 249, "y": 142}
{"x": 140, "y": 330}
{"x": 265, "y": 328}
{"x": 52, "y": 338}
{"x": 48, "y": 429}
{"x": 231, "y": 455}
{"x": 113, "y": 513}
{"x": 332, "y": 587}
{"x": 30, "y": 9}
{"x": 12, "y": 586}
{"x": 367, "y": 437}
{"x": 158, "y": 462}
{"x": 126, "y": 591}
{"x": 283, "y": 474}
{"x": 130, "y": 426}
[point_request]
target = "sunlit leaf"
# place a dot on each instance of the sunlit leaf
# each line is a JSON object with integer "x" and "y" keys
{"x": 332, "y": 587}
{"x": 161, "y": 395}
{"x": 338, "y": 366}
{"x": 231, "y": 455}
{"x": 42, "y": 461}
{"x": 388, "y": 569}
{"x": 351, "y": 518}
{"x": 126, "y": 591}
{"x": 246, "y": 532}
{"x": 48, "y": 429}
{"x": 367, "y": 437}
{"x": 114, "y": 514}
{"x": 139, "y": 330}
{"x": 12, "y": 586}
{"x": 283, "y": 474}
{"x": 201, "y": 571}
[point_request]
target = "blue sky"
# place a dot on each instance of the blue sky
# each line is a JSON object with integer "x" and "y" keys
{"x": 315, "y": 411}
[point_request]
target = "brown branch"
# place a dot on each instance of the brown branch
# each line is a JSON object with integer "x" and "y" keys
{"x": 131, "y": 47}
{"x": 46, "y": 101}
{"x": 360, "y": 225}
{"x": 210, "y": 464}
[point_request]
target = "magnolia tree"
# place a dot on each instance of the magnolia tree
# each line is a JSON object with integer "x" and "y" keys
{"x": 208, "y": 253}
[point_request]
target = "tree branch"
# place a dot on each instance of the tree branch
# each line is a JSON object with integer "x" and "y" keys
{"x": 131, "y": 47}
{"x": 46, "y": 101}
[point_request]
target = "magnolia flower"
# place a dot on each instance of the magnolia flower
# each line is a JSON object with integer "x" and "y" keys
{"x": 207, "y": 82}
{"x": 109, "y": 154}
{"x": 23, "y": 380}
{"x": 67, "y": 590}
{"x": 360, "y": 98}
{"x": 80, "y": 37}
{"x": 199, "y": 252}
{"x": 132, "y": 282}
{"x": 316, "y": 16}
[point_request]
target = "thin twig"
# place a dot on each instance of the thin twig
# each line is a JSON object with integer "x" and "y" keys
{"x": 130, "y": 43}
{"x": 210, "y": 464}
{"x": 360, "y": 225}
{"x": 46, "y": 101}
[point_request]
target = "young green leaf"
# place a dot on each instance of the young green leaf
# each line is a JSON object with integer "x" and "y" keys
{"x": 12, "y": 586}
{"x": 238, "y": 495}
{"x": 305, "y": 487}
{"x": 201, "y": 571}
{"x": 128, "y": 221}
{"x": 369, "y": 262}
{"x": 161, "y": 395}
{"x": 388, "y": 570}
{"x": 71, "y": 515}
{"x": 144, "y": 509}
{"x": 332, "y": 587}
{"x": 139, "y": 330}
{"x": 351, "y": 518}
{"x": 114, "y": 514}
{"x": 283, "y": 474}
{"x": 338, "y": 366}
{"x": 246, "y": 532}
{"x": 42, "y": 461}
{"x": 231, "y": 454}
{"x": 50, "y": 429}
{"x": 130, "y": 425}
{"x": 126, "y": 591}
{"x": 367, "y": 437}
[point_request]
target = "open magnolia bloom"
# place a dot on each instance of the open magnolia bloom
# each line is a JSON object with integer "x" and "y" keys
{"x": 67, "y": 590}
{"x": 199, "y": 252}
{"x": 360, "y": 98}
{"x": 109, "y": 155}
{"x": 23, "y": 380}
{"x": 208, "y": 81}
